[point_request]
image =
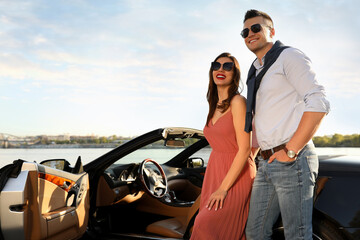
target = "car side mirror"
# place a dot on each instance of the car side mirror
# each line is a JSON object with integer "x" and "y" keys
{"x": 196, "y": 162}
{"x": 60, "y": 164}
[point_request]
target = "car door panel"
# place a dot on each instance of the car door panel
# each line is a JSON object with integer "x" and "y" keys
{"x": 51, "y": 196}
{"x": 195, "y": 175}
{"x": 61, "y": 223}
{"x": 41, "y": 208}
{"x": 14, "y": 206}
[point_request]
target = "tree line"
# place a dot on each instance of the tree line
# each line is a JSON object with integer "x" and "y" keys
{"x": 112, "y": 139}
{"x": 337, "y": 140}
{"x": 87, "y": 140}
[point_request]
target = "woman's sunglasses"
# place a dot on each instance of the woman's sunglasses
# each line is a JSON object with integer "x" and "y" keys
{"x": 228, "y": 66}
{"x": 254, "y": 28}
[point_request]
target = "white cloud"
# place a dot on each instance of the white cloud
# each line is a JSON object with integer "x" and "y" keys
{"x": 39, "y": 40}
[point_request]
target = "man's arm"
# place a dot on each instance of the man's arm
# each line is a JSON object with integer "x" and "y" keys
{"x": 299, "y": 72}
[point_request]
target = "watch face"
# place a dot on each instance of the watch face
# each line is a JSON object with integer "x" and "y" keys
{"x": 291, "y": 154}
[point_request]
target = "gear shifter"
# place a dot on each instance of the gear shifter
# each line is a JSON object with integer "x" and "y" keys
{"x": 172, "y": 195}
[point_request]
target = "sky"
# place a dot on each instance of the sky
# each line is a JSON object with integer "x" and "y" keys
{"x": 126, "y": 67}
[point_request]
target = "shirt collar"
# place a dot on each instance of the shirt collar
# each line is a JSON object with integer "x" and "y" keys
{"x": 257, "y": 64}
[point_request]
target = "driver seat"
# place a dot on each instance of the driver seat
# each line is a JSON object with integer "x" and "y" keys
{"x": 177, "y": 226}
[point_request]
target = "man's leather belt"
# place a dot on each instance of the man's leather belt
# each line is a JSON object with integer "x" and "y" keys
{"x": 266, "y": 154}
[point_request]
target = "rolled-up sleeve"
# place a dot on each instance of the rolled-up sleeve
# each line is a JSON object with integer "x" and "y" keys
{"x": 299, "y": 72}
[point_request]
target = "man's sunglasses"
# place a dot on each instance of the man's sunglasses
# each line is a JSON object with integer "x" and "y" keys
{"x": 228, "y": 66}
{"x": 254, "y": 28}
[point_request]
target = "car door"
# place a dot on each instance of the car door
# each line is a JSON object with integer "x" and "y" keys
{"x": 43, "y": 202}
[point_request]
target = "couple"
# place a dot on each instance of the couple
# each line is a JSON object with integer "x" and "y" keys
{"x": 286, "y": 110}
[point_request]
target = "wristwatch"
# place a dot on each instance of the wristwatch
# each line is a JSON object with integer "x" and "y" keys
{"x": 290, "y": 153}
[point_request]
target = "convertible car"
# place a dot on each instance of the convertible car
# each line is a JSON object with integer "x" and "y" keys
{"x": 148, "y": 188}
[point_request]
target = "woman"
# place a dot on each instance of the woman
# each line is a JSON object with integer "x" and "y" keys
{"x": 230, "y": 171}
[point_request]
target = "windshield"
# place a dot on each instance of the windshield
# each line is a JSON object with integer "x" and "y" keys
{"x": 161, "y": 153}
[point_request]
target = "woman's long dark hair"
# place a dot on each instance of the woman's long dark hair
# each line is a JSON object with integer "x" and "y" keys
{"x": 212, "y": 94}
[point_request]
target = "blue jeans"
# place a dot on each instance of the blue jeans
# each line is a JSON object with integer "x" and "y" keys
{"x": 286, "y": 188}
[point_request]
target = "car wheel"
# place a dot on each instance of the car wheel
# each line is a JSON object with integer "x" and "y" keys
{"x": 325, "y": 230}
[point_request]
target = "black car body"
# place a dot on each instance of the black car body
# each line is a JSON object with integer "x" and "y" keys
{"x": 112, "y": 198}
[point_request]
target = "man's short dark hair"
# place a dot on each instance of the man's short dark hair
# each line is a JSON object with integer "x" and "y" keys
{"x": 256, "y": 13}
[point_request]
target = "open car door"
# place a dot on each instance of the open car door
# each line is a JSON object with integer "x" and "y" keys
{"x": 45, "y": 201}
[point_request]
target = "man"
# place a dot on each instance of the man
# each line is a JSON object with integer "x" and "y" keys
{"x": 286, "y": 105}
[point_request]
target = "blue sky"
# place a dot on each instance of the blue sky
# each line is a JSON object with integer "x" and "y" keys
{"x": 127, "y": 67}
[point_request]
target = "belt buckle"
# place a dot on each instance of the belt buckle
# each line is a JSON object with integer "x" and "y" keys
{"x": 266, "y": 152}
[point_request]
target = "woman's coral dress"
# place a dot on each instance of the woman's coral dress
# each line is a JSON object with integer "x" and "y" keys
{"x": 229, "y": 222}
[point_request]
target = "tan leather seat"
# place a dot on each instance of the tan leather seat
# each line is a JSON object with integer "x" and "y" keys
{"x": 174, "y": 227}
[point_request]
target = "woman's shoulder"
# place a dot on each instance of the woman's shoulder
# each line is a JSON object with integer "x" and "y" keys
{"x": 238, "y": 99}
{"x": 238, "y": 104}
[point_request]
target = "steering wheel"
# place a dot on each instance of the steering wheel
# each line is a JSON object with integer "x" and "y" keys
{"x": 153, "y": 182}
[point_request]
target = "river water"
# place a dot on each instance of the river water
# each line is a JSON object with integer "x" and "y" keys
{"x": 88, "y": 154}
